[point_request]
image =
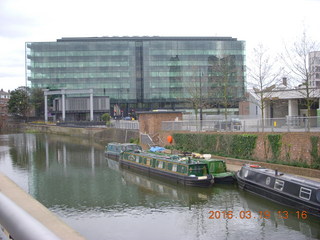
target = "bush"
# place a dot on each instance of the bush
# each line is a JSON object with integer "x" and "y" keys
{"x": 238, "y": 146}
{"x": 275, "y": 143}
{"x": 106, "y": 117}
{"x": 314, "y": 152}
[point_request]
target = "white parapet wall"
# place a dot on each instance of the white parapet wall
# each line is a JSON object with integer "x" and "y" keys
{"x": 45, "y": 221}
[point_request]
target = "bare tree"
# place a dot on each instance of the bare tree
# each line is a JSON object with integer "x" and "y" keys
{"x": 297, "y": 59}
{"x": 223, "y": 74}
{"x": 196, "y": 92}
{"x": 263, "y": 74}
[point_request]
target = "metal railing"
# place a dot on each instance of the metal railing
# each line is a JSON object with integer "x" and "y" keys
{"x": 125, "y": 124}
{"x": 19, "y": 224}
{"x": 288, "y": 124}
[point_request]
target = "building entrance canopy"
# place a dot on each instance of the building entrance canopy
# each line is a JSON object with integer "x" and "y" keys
{"x": 63, "y": 92}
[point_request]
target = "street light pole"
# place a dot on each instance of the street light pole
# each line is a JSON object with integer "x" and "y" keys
{"x": 201, "y": 101}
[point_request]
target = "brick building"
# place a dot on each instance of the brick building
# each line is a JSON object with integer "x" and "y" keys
{"x": 4, "y": 98}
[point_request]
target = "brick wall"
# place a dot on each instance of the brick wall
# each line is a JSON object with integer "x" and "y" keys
{"x": 295, "y": 146}
{"x": 150, "y": 122}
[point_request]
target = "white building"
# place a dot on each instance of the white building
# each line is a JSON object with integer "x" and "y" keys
{"x": 314, "y": 67}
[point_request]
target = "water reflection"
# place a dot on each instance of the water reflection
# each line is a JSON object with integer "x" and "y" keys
{"x": 101, "y": 200}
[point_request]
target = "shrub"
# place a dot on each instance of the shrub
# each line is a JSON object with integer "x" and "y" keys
{"x": 106, "y": 118}
{"x": 238, "y": 146}
{"x": 275, "y": 144}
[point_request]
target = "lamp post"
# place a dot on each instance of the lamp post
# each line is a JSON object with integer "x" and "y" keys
{"x": 201, "y": 73}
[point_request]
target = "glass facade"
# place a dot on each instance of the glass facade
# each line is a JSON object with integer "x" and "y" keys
{"x": 146, "y": 72}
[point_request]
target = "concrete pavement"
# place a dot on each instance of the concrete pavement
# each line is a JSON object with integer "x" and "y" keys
{"x": 37, "y": 210}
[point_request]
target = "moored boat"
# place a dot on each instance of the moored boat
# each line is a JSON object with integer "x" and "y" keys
{"x": 218, "y": 169}
{"x": 289, "y": 190}
{"x": 113, "y": 150}
{"x": 187, "y": 172}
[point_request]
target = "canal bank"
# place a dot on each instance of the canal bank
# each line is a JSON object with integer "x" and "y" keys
{"x": 106, "y": 135}
{"x": 101, "y": 200}
{"x": 99, "y": 134}
{"x": 37, "y": 210}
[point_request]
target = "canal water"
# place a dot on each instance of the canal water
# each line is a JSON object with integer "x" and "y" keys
{"x": 101, "y": 200}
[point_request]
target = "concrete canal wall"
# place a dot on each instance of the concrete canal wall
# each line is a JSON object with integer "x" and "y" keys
{"x": 103, "y": 135}
{"x": 37, "y": 210}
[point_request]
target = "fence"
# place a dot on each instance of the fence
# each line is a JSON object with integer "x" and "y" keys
{"x": 113, "y": 124}
{"x": 124, "y": 124}
{"x": 288, "y": 124}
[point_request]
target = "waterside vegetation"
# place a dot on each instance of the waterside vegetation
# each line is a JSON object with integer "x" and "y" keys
{"x": 244, "y": 146}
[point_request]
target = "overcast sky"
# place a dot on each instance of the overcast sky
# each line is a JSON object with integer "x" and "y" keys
{"x": 272, "y": 23}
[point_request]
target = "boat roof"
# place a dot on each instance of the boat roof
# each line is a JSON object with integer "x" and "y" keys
{"x": 285, "y": 176}
{"x": 123, "y": 144}
{"x": 212, "y": 160}
{"x": 169, "y": 158}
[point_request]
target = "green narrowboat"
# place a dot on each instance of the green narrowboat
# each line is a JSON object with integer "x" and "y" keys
{"x": 218, "y": 169}
{"x": 187, "y": 172}
{"x": 113, "y": 150}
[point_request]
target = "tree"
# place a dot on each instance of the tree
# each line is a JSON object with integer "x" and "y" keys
{"x": 19, "y": 103}
{"x": 223, "y": 74}
{"x": 37, "y": 101}
{"x": 263, "y": 75}
{"x": 297, "y": 59}
{"x": 196, "y": 94}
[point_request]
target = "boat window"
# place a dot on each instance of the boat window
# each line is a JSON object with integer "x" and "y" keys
{"x": 268, "y": 180}
{"x": 305, "y": 193}
{"x": 318, "y": 195}
{"x": 246, "y": 172}
{"x": 279, "y": 185}
{"x": 174, "y": 167}
{"x": 182, "y": 169}
{"x": 137, "y": 159}
{"x": 197, "y": 170}
{"x": 160, "y": 164}
{"x": 148, "y": 161}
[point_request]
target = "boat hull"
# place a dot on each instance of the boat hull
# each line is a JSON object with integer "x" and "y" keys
{"x": 205, "y": 181}
{"x": 112, "y": 155}
{"x": 278, "y": 197}
{"x": 224, "y": 179}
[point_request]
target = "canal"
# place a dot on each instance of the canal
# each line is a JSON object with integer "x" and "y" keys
{"x": 101, "y": 200}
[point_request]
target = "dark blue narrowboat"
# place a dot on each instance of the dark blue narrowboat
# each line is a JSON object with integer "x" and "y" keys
{"x": 289, "y": 190}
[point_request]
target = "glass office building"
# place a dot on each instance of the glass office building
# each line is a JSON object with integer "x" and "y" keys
{"x": 141, "y": 73}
